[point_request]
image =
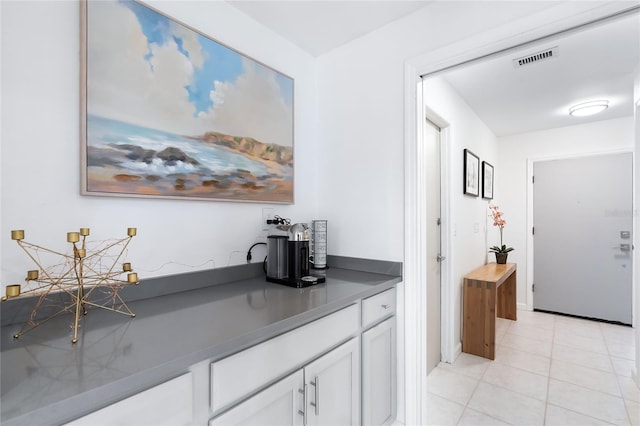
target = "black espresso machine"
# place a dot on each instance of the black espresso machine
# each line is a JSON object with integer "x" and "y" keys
{"x": 288, "y": 258}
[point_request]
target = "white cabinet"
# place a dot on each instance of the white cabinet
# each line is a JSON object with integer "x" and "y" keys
{"x": 332, "y": 383}
{"x": 279, "y": 405}
{"x": 324, "y": 392}
{"x": 170, "y": 403}
{"x": 237, "y": 376}
{"x": 295, "y": 378}
{"x": 379, "y": 374}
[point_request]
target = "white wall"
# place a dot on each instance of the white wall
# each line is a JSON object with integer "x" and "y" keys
{"x": 362, "y": 117}
{"x": 468, "y": 214}
{"x": 40, "y": 147}
{"x": 511, "y": 173}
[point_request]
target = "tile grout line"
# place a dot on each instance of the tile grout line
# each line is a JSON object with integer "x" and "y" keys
{"x": 471, "y": 370}
{"x": 478, "y": 380}
{"x": 624, "y": 400}
{"x": 553, "y": 342}
{"x": 551, "y": 361}
{"x": 466, "y": 404}
{"x": 587, "y": 388}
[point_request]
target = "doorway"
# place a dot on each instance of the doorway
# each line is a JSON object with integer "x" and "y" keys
{"x": 582, "y": 212}
{"x": 433, "y": 63}
{"x": 433, "y": 238}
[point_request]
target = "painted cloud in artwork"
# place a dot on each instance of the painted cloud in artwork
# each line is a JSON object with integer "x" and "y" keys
{"x": 176, "y": 80}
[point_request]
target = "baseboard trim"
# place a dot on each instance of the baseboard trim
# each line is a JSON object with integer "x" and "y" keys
{"x": 457, "y": 351}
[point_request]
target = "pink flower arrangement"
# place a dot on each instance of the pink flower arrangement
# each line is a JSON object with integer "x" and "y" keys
{"x": 498, "y": 221}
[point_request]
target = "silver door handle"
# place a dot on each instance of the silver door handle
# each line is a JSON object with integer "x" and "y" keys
{"x": 440, "y": 258}
{"x": 625, "y": 247}
{"x": 304, "y": 404}
{"x": 316, "y": 404}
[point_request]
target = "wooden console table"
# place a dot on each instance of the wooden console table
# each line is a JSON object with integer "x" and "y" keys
{"x": 488, "y": 291}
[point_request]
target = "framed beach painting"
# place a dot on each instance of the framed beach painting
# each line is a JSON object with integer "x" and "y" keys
{"x": 487, "y": 180}
{"x": 471, "y": 173}
{"x": 169, "y": 112}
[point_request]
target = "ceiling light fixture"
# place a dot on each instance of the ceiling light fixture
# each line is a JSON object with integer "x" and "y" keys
{"x": 588, "y": 108}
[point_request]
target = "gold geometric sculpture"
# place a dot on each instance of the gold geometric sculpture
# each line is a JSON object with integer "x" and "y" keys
{"x": 89, "y": 276}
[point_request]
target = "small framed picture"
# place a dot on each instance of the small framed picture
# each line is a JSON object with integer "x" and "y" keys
{"x": 487, "y": 180}
{"x": 471, "y": 176}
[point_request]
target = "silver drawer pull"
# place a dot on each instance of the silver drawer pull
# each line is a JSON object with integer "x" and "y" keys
{"x": 386, "y": 306}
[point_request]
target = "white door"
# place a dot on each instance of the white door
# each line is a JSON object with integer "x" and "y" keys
{"x": 582, "y": 211}
{"x": 333, "y": 387}
{"x": 378, "y": 374}
{"x": 432, "y": 162}
{"x": 279, "y": 405}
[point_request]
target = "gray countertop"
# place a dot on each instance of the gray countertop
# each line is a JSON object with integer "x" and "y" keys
{"x": 45, "y": 379}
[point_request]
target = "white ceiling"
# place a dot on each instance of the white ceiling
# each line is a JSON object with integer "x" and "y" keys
{"x": 594, "y": 63}
{"x": 320, "y": 26}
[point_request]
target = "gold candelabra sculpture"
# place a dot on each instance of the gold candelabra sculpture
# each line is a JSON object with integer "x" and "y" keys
{"x": 88, "y": 277}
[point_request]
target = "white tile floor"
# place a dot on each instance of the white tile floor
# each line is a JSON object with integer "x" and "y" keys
{"x": 549, "y": 370}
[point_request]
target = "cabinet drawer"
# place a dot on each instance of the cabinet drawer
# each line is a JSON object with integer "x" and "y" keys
{"x": 170, "y": 403}
{"x": 238, "y": 375}
{"x": 379, "y": 306}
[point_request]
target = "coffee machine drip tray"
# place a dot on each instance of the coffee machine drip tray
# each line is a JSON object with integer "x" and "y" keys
{"x": 306, "y": 281}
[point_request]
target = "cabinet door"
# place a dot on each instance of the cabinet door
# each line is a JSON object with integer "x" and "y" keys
{"x": 379, "y": 374}
{"x": 278, "y": 405}
{"x": 333, "y": 386}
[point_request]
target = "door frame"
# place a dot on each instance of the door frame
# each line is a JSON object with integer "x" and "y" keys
{"x": 514, "y": 35}
{"x": 447, "y": 347}
{"x": 530, "y": 238}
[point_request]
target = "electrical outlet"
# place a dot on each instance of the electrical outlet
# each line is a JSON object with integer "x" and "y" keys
{"x": 267, "y": 213}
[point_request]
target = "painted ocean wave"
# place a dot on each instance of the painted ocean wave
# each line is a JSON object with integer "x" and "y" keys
{"x": 138, "y": 149}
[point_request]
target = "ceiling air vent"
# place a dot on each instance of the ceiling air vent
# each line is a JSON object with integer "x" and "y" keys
{"x": 536, "y": 57}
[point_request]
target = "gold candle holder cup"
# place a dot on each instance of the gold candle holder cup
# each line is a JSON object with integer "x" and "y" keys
{"x": 13, "y": 290}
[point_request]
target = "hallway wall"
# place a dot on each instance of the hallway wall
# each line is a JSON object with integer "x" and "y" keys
{"x": 512, "y": 185}
{"x": 469, "y": 221}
